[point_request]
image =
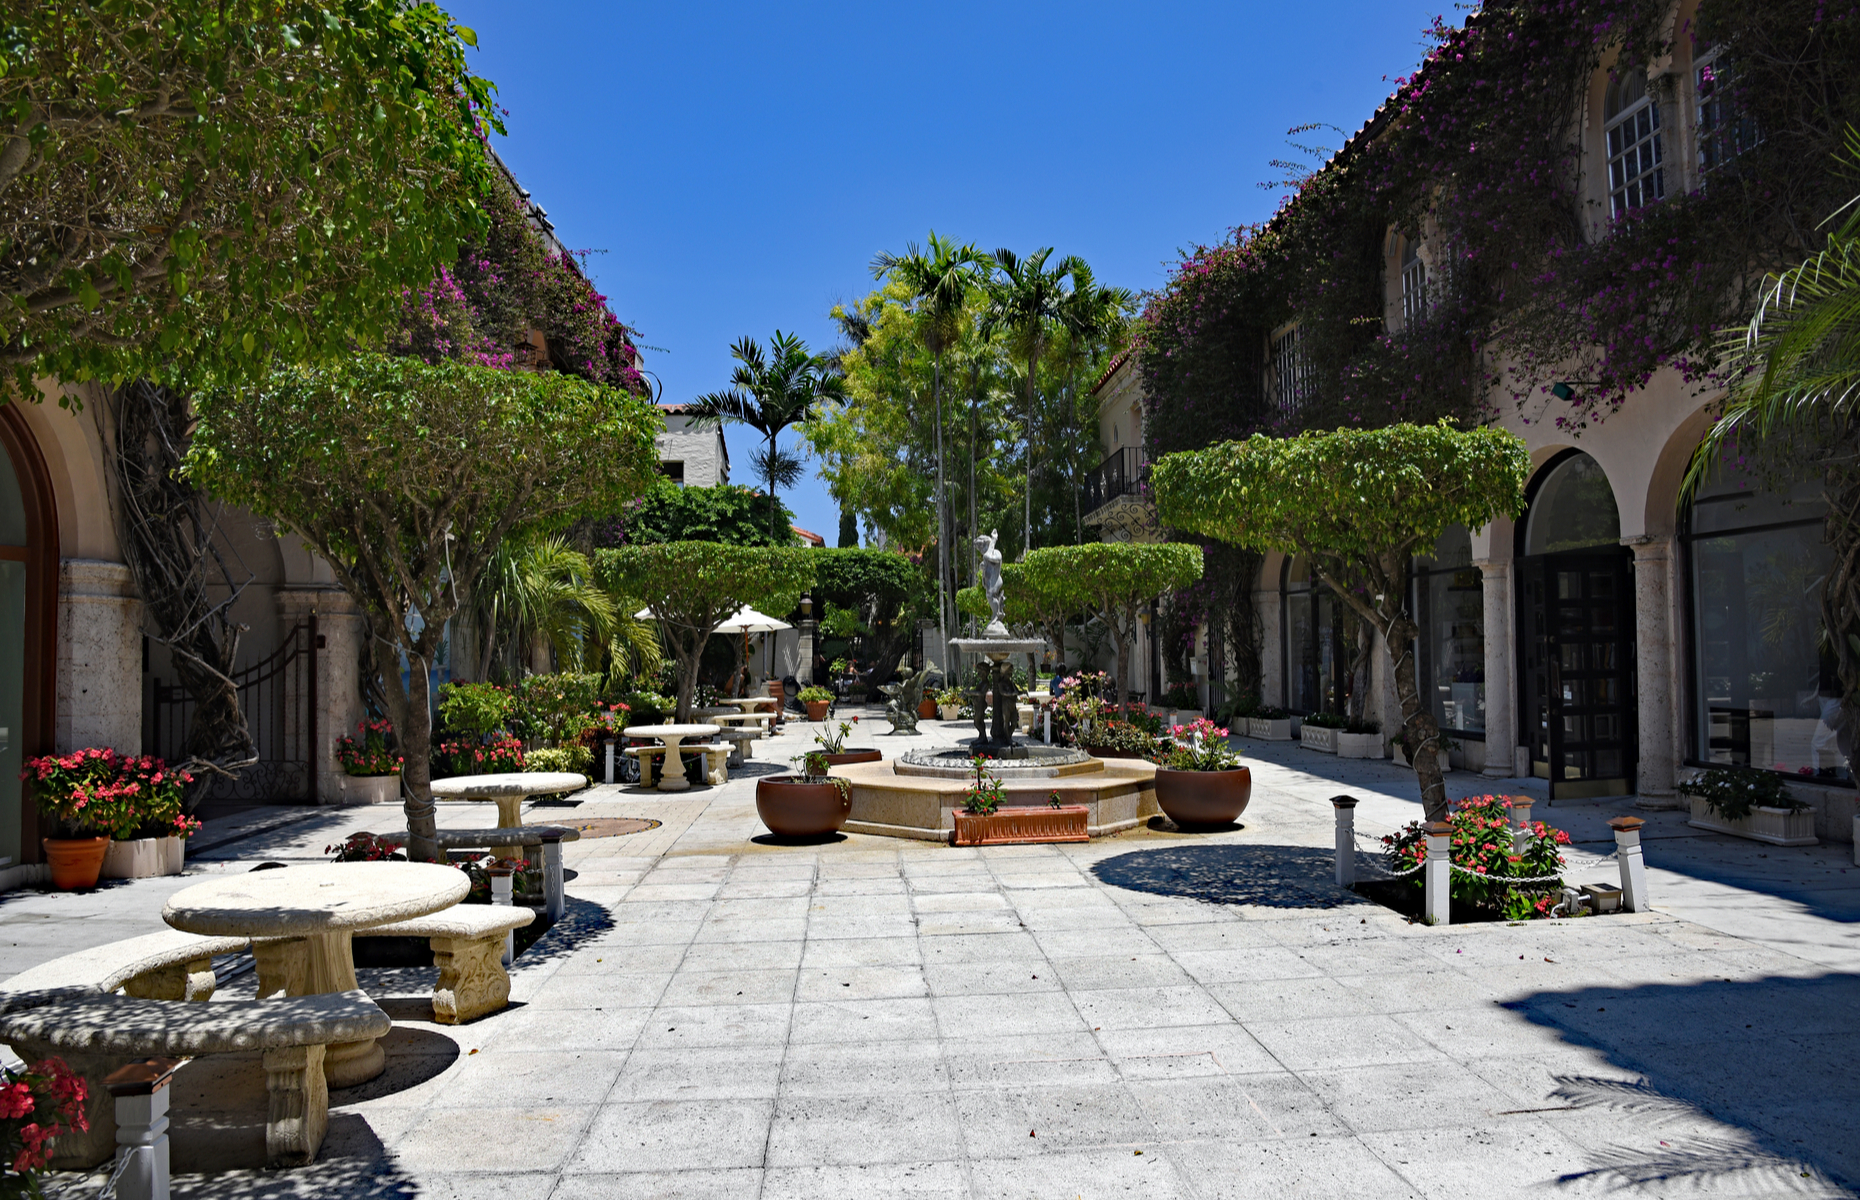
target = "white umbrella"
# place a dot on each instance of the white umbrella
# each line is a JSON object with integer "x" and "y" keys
{"x": 746, "y": 621}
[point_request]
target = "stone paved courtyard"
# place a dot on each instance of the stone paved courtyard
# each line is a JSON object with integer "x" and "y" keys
{"x": 1154, "y": 1015}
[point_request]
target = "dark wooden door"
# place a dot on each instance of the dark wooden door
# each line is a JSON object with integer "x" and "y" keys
{"x": 1577, "y": 617}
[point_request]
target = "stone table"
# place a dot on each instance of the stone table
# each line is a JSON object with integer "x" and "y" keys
{"x": 672, "y": 736}
{"x": 509, "y": 792}
{"x": 302, "y": 921}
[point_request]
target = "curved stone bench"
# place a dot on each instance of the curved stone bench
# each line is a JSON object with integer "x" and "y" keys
{"x": 96, "y": 1034}
{"x": 468, "y": 943}
{"x": 742, "y": 744}
{"x": 716, "y": 759}
{"x": 169, "y": 965}
{"x": 548, "y": 837}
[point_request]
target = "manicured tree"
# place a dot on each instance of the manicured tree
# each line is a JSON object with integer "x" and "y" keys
{"x": 1357, "y": 504}
{"x": 884, "y": 587}
{"x": 406, "y": 477}
{"x": 725, "y": 512}
{"x": 1038, "y": 594}
{"x": 693, "y": 587}
{"x": 1117, "y": 579}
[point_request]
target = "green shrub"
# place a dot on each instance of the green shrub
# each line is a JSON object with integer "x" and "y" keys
{"x": 1321, "y": 720}
{"x": 1732, "y": 792}
{"x": 815, "y": 694}
{"x": 554, "y": 709}
{"x": 575, "y": 758}
{"x": 1483, "y": 847}
{"x": 474, "y": 708}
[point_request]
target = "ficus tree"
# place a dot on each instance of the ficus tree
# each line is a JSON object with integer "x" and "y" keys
{"x": 222, "y": 183}
{"x": 1118, "y": 580}
{"x": 406, "y": 477}
{"x": 1358, "y": 504}
{"x": 693, "y": 587}
{"x": 1036, "y": 596}
{"x": 884, "y": 588}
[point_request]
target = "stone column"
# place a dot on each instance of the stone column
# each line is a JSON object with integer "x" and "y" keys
{"x": 1653, "y": 665}
{"x": 1501, "y": 689}
{"x": 338, "y": 679}
{"x": 99, "y": 657}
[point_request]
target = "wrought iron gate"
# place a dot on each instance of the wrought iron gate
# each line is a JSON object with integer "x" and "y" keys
{"x": 278, "y": 696}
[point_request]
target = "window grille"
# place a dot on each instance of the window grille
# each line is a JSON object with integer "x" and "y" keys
{"x": 1636, "y": 155}
{"x": 1725, "y": 129}
{"x": 1291, "y": 372}
{"x": 1413, "y": 284}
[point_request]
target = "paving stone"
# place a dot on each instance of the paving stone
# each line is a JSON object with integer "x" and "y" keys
{"x": 864, "y": 1068}
{"x": 880, "y": 1127}
{"x": 877, "y": 1181}
{"x": 661, "y": 1135}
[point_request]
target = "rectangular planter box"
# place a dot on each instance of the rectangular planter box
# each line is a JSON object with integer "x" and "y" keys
{"x": 1314, "y": 738}
{"x": 1777, "y": 826}
{"x": 1185, "y": 716}
{"x": 1014, "y": 826}
{"x": 143, "y": 858}
{"x": 1358, "y": 745}
{"x": 370, "y": 789}
{"x": 1269, "y": 731}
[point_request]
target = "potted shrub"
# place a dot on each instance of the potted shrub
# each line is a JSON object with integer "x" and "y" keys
{"x": 1360, "y": 739}
{"x": 949, "y": 704}
{"x": 817, "y": 699}
{"x": 104, "y": 807}
{"x": 474, "y": 756}
{"x": 811, "y": 804}
{"x": 983, "y": 822}
{"x": 1269, "y": 724}
{"x": 833, "y": 746}
{"x": 370, "y": 770}
{"x": 1319, "y": 732}
{"x": 1199, "y": 781}
{"x": 1116, "y": 739}
{"x": 1749, "y": 804}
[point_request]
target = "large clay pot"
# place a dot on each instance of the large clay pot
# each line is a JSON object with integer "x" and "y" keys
{"x": 817, "y": 709}
{"x": 793, "y": 808}
{"x": 854, "y": 756}
{"x": 1200, "y": 798}
{"x": 926, "y": 710}
{"x": 75, "y": 862}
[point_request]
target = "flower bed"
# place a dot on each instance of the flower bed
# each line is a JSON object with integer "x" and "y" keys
{"x": 1496, "y": 878}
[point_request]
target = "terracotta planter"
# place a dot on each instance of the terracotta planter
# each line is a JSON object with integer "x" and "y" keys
{"x": 1192, "y": 798}
{"x": 817, "y": 709}
{"x": 927, "y": 710}
{"x": 793, "y": 808}
{"x": 854, "y": 756}
{"x": 1017, "y": 826}
{"x": 75, "y": 862}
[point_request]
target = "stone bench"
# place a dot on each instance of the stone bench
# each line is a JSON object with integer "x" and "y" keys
{"x": 761, "y": 722}
{"x": 548, "y": 837}
{"x": 95, "y": 1034}
{"x": 468, "y": 943}
{"x": 742, "y": 743}
{"x": 169, "y": 965}
{"x": 716, "y": 759}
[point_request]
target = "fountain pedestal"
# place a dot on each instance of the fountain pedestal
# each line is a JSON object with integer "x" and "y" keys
{"x": 997, "y": 677}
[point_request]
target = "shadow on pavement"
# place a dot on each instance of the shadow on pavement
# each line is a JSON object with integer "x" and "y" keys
{"x": 1267, "y": 876}
{"x": 1776, "y": 1059}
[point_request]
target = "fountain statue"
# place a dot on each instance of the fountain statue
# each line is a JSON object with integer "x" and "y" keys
{"x": 991, "y": 584}
{"x": 905, "y": 697}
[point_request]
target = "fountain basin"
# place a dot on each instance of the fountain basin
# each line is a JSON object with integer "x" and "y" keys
{"x": 1025, "y": 760}
{"x": 1118, "y": 795}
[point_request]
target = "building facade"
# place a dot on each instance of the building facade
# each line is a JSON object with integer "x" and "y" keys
{"x": 689, "y": 454}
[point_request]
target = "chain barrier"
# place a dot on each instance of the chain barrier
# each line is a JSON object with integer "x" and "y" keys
{"x": 1377, "y": 849}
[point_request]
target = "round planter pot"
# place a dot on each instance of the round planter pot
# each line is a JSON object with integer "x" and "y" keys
{"x": 75, "y": 862}
{"x": 370, "y": 789}
{"x": 792, "y": 808}
{"x": 1191, "y": 798}
{"x": 817, "y": 709}
{"x": 845, "y": 757}
{"x": 927, "y": 710}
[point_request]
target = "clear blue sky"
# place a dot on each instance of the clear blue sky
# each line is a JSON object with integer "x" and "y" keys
{"x": 740, "y": 164}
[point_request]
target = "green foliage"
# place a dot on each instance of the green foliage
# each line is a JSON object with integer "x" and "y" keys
{"x": 224, "y": 185}
{"x": 541, "y": 587}
{"x": 1483, "y": 846}
{"x": 727, "y": 512}
{"x": 476, "y": 756}
{"x": 842, "y": 623}
{"x": 99, "y": 793}
{"x": 985, "y": 794}
{"x": 693, "y": 587}
{"x": 554, "y": 709}
{"x": 1200, "y": 745}
{"x": 474, "y": 708}
{"x": 855, "y": 577}
{"x": 1732, "y": 792}
{"x": 1322, "y": 720}
{"x": 574, "y": 758}
{"x": 648, "y": 708}
{"x": 815, "y": 694}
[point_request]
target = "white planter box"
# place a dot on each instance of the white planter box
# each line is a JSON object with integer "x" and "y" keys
{"x": 1358, "y": 745}
{"x": 1185, "y": 716}
{"x": 1777, "y": 826}
{"x": 1315, "y": 738}
{"x": 143, "y": 858}
{"x": 370, "y": 789}
{"x": 1269, "y": 731}
{"x": 950, "y": 712}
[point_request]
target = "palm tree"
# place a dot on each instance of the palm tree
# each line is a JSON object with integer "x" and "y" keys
{"x": 940, "y": 280}
{"x": 769, "y": 394}
{"x": 540, "y": 590}
{"x": 1026, "y": 301}
{"x": 1094, "y": 318}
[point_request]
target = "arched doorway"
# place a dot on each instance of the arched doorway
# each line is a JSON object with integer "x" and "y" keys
{"x": 28, "y": 611}
{"x": 1576, "y": 632}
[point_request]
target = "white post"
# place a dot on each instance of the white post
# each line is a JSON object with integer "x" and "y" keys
{"x": 611, "y": 746}
{"x": 502, "y": 892}
{"x": 1345, "y": 807}
{"x": 1520, "y": 807}
{"x": 1438, "y": 874}
{"x": 141, "y": 1094}
{"x": 1047, "y": 737}
{"x": 555, "y": 894}
{"x": 1633, "y": 866}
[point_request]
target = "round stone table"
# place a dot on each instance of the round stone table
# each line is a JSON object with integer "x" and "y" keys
{"x": 302, "y": 921}
{"x": 672, "y": 736}
{"x": 509, "y": 792}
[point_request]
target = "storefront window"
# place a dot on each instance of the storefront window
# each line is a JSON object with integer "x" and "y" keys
{"x": 1320, "y": 640}
{"x": 12, "y": 656}
{"x": 1450, "y": 610}
{"x": 1766, "y": 691}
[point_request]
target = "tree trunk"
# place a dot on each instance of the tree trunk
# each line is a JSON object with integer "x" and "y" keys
{"x": 688, "y": 656}
{"x": 1417, "y": 718}
{"x": 942, "y": 526}
{"x": 1123, "y": 659}
{"x": 1033, "y": 362}
{"x": 410, "y": 708}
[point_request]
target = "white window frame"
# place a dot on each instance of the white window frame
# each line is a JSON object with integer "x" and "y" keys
{"x": 1634, "y": 141}
{"x": 1291, "y": 371}
{"x": 1722, "y": 133}
{"x": 1413, "y": 283}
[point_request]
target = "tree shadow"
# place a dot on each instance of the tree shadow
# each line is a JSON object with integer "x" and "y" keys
{"x": 1775, "y": 1060}
{"x": 580, "y": 921}
{"x": 1264, "y": 876}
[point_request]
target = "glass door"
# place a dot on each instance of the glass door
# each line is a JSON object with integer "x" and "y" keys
{"x": 13, "y": 554}
{"x": 1577, "y": 619}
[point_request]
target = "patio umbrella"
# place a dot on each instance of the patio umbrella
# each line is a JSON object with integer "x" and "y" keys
{"x": 746, "y": 621}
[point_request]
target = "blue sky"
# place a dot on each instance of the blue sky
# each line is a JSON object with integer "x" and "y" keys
{"x": 738, "y": 165}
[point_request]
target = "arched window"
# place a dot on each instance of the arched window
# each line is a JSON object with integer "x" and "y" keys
{"x": 1574, "y": 509}
{"x": 1765, "y": 690}
{"x": 1636, "y": 157}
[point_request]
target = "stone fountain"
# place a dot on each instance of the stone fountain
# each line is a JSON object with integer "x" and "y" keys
{"x": 918, "y": 794}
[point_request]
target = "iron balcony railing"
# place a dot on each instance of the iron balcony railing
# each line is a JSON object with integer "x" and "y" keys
{"x": 1124, "y": 472}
